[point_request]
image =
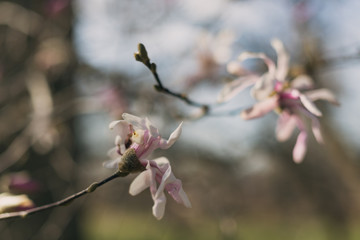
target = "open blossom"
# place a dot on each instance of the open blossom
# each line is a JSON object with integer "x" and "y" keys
{"x": 274, "y": 92}
{"x": 139, "y": 137}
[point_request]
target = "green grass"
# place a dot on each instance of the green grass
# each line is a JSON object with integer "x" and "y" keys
{"x": 116, "y": 224}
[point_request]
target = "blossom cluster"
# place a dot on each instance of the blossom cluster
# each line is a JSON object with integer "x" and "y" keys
{"x": 138, "y": 136}
{"x": 292, "y": 100}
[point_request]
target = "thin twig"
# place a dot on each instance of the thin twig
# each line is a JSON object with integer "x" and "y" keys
{"x": 142, "y": 56}
{"x": 64, "y": 201}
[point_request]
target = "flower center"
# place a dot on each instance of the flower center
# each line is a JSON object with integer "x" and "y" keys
{"x": 138, "y": 136}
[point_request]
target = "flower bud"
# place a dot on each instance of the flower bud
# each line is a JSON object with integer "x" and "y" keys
{"x": 130, "y": 163}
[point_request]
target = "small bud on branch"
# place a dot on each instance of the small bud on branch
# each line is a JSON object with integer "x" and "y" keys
{"x": 142, "y": 56}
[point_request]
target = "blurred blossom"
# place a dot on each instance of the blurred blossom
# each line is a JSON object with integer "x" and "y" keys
{"x": 51, "y": 53}
{"x": 302, "y": 12}
{"x": 113, "y": 100}
{"x": 44, "y": 134}
{"x": 274, "y": 92}
{"x": 9, "y": 202}
{"x": 19, "y": 18}
{"x": 20, "y": 183}
{"x": 53, "y": 7}
{"x": 140, "y": 136}
{"x": 212, "y": 52}
{"x": 263, "y": 84}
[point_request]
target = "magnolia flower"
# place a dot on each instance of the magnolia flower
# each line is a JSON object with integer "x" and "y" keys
{"x": 274, "y": 92}
{"x": 137, "y": 136}
{"x": 212, "y": 52}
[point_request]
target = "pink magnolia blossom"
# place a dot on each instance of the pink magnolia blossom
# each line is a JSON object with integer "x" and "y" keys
{"x": 274, "y": 92}
{"x": 139, "y": 135}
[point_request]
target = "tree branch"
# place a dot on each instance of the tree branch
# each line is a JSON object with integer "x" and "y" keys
{"x": 142, "y": 56}
{"x": 92, "y": 187}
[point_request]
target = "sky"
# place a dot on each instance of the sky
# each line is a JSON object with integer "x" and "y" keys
{"x": 107, "y": 33}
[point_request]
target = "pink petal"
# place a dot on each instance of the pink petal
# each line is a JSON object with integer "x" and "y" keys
{"x": 174, "y": 188}
{"x": 233, "y": 88}
{"x": 300, "y": 147}
{"x": 260, "y": 109}
{"x": 285, "y": 126}
{"x": 164, "y": 144}
{"x": 309, "y": 105}
{"x": 169, "y": 182}
{"x": 282, "y": 60}
{"x": 322, "y": 94}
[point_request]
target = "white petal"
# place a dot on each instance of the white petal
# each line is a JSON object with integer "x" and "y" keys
{"x": 260, "y": 109}
{"x": 112, "y": 153}
{"x": 140, "y": 183}
{"x": 159, "y": 197}
{"x": 164, "y": 144}
{"x": 269, "y": 63}
{"x": 322, "y": 94}
{"x": 9, "y": 201}
{"x": 154, "y": 132}
{"x": 233, "y": 88}
{"x": 137, "y": 122}
{"x": 161, "y": 161}
{"x": 159, "y": 206}
{"x": 282, "y": 59}
{"x": 302, "y": 82}
{"x": 309, "y": 105}
{"x": 235, "y": 68}
{"x": 263, "y": 87}
{"x": 114, "y": 123}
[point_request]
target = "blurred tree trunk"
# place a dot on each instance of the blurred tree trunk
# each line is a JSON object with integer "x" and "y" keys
{"x": 37, "y": 64}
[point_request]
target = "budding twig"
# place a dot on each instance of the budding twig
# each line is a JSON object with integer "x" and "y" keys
{"x": 143, "y": 57}
{"x": 92, "y": 187}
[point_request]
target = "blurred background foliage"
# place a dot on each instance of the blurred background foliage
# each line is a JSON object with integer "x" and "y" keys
{"x": 67, "y": 70}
